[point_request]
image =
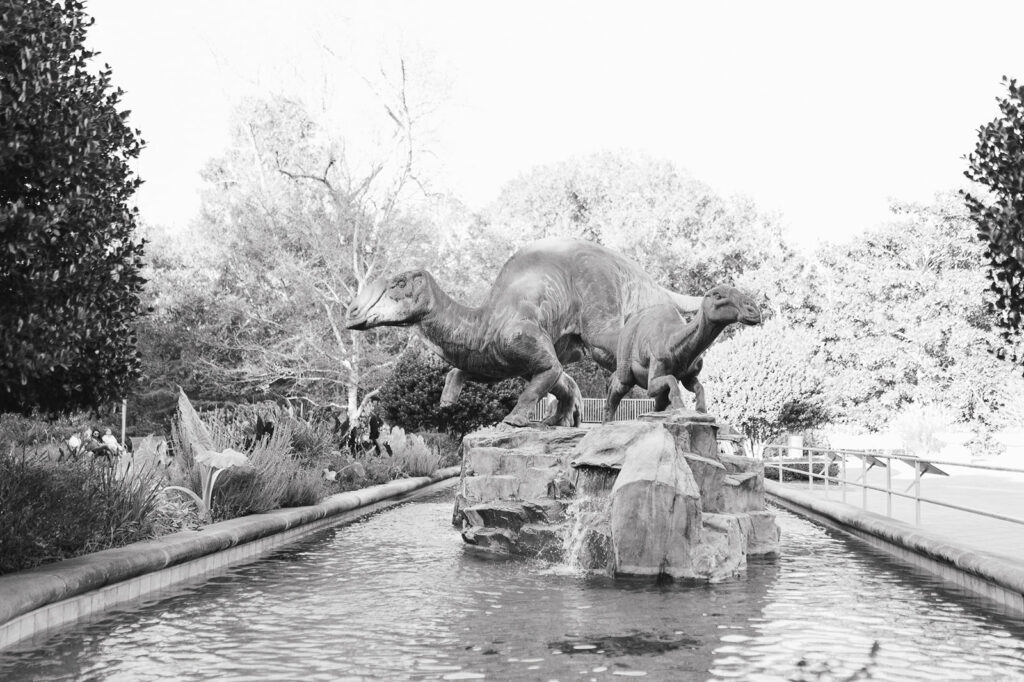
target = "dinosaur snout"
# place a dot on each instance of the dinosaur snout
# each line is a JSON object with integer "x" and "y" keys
{"x": 750, "y": 313}
{"x": 358, "y": 315}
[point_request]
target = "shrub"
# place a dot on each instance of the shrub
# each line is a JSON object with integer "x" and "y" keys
{"x": 411, "y": 395}
{"x": 412, "y": 456}
{"x": 51, "y": 511}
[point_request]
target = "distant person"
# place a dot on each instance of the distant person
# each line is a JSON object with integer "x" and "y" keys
{"x": 375, "y": 423}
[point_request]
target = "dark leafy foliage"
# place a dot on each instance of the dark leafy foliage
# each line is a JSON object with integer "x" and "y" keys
{"x": 411, "y": 395}
{"x": 998, "y": 164}
{"x": 69, "y": 267}
{"x": 36, "y": 494}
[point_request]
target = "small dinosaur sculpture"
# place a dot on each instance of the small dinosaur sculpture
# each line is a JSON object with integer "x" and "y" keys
{"x": 553, "y": 301}
{"x": 657, "y": 347}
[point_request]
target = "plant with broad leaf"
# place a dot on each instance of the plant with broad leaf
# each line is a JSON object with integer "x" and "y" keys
{"x": 212, "y": 463}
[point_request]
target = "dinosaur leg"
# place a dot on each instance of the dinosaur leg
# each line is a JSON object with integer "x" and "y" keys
{"x": 535, "y": 355}
{"x": 617, "y": 389}
{"x": 664, "y": 388}
{"x": 537, "y": 387}
{"x": 693, "y": 385}
{"x": 570, "y": 402}
{"x": 453, "y": 384}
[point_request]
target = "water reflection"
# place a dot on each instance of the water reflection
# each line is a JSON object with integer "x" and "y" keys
{"x": 398, "y": 597}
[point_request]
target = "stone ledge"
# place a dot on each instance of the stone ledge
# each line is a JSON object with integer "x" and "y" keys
{"x": 937, "y": 554}
{"x": 36, "y": 588}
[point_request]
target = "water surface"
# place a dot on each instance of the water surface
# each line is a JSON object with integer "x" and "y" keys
{"x": 397, "y": 596}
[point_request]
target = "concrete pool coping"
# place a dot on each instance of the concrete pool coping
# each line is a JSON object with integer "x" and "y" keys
{"x": 991, "y": 576}
{"x": 45, "y": 598}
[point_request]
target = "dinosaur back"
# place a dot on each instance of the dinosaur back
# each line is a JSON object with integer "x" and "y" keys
{"x": 575, "y": 287}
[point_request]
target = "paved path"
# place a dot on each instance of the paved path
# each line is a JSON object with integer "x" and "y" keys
{"x": 993, "y": 491}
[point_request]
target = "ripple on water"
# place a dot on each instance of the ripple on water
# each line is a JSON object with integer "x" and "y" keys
{"x": 396, "y": 597}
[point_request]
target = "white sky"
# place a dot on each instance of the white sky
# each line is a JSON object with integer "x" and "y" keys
{"x": 819, "y": 110}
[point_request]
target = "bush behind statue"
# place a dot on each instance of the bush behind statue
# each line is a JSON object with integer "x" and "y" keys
{"x": 411, "y": 396}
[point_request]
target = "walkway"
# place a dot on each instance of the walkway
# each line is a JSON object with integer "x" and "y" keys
{"x": 993, "y": 491}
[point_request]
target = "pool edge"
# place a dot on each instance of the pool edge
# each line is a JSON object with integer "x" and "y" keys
{"x": 987, "y": 575}
{"x": 46, "y": 598}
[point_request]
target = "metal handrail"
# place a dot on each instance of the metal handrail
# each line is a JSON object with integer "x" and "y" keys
{"x": 915, "y": 461}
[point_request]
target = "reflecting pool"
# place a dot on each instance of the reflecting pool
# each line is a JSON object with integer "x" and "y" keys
{"x": 397, "y": 596}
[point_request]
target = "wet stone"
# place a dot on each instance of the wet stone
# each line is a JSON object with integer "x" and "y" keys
{"x": 497, "y": 540}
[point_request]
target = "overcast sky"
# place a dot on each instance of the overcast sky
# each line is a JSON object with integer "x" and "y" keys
{"x": 818, "y": 110}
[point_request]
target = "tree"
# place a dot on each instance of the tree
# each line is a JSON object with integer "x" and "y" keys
{"x": 69, "y": 270}
{"x": 998, "y": 164}
{"x": 766, "y": 381}
{"x": 907, "y": 324}
{"x": 675, "y": 227}
{"x": 303, "y": 226}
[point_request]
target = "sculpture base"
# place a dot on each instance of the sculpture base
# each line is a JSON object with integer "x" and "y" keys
{"x": 645, "y": 497}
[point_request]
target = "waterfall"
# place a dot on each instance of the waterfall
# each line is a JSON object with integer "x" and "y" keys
{"x": 587, "y": 534}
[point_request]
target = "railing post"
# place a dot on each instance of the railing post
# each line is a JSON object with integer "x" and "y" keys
{"x": 844, "y": 478}
{"x": 826, "y": 477}
{"x": 864, "y": 485}
{"x": 810, "y": 470}
{"x": 888, "y": 487}
{"x": 779, "y": 460}
{"x": 917, "y": 493}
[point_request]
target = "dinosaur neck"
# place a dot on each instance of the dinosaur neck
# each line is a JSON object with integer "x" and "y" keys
{"x": 451, "y": 329}
{"x": 695, "y": 337}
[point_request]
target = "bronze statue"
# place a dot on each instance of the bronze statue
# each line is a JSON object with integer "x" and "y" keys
{"x": 553, "y": 301}
{"x": 657, "y": 348}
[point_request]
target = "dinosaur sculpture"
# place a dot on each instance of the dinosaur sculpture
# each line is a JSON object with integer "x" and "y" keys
{"x": 657, "y": 348}
{"x": 553, "y": 301}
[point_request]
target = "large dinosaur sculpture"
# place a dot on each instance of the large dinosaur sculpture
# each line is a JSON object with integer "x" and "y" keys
{"x": 553, "y": 301}
{"x": 657, "y": 347}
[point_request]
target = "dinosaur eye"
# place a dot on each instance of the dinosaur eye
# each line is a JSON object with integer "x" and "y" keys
{"x": 400, "y": 282}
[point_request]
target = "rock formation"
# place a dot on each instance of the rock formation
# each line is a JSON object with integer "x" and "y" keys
{"x": 649, "y": 497}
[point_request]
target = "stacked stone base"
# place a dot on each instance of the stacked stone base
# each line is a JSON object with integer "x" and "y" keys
{"x": 646, "y": 497}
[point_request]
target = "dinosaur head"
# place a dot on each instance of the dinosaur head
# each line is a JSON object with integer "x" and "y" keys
{"x": 397, "y": 302}
{"x": 724, "y": 305}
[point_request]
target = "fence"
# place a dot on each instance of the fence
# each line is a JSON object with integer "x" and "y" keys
{"x": 868, "y": 460}
{"x": 593, "y": 409}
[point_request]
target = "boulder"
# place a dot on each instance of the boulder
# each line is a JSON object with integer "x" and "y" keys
{"x": 743, "y": 489}
{"x": 486, "y": 488}
{"x": 491, "y": 461}
{"x": 508, "y": 515}
{"x": 541, "y": 541}
{"x": 763, "y": 538}
{"x": 494, "y": 540}
{"x": 593, "y": 481}
{"x": 542, "y": 440}
{"x": 607, "y": 446}
{"x": 655, "y": 514}
{"x": 693, "y": 431}
{"x": 722, "y": 550}
{"x": 535, "y": 482}
{"x": 710, "y": 476}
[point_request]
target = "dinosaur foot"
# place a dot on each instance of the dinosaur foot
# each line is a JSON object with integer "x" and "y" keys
{"x": 560, "y": 420}
{"x": 516, "y": 420}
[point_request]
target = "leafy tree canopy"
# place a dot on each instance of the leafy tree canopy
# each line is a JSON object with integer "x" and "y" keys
{"x": 767, "y": 380}
{"x": 675, "y": 227}
{"x": 69, "y": 269}
{"x": 998, "y": 165}
{"x": 906, "y": 322}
